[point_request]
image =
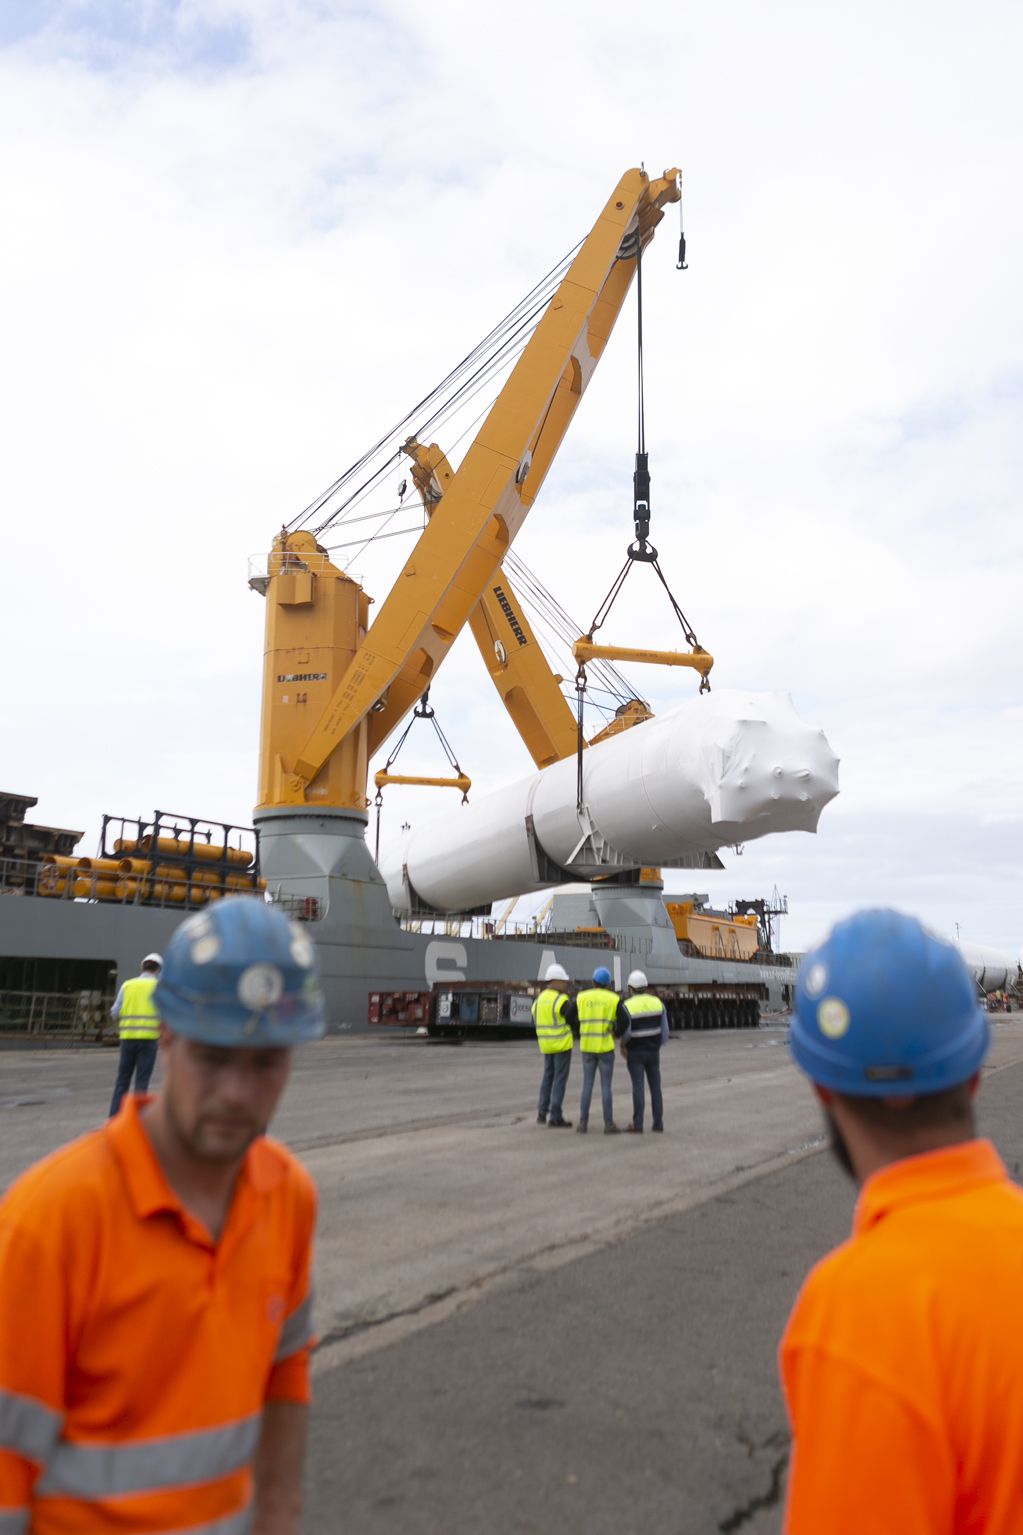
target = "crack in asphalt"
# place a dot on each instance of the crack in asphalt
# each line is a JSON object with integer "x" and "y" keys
{"x": 478, "y": 1283}
{"x": 769, "y": 1499}
{"x": 366, "y": 1324}
{"x": 299, "y": 1143}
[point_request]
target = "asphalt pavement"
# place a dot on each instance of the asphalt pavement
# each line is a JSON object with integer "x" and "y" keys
{"x": 630, "y": 1390}
{"x": 528, "y": 1330}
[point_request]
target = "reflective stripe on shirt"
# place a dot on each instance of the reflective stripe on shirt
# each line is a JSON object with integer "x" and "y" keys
{"x": 94, "y": 1471}
{"x": 27, "y": 1427}
{"x": 552, "y": 1032}
{"x": 234, "y": 1524}
{"x": 297, "y": 1330}
{"x": 596, "y": 1009}
{"x": 138, "y": 1018}
{"x": 647, "y": 1012}
{"x": 13, "y": 1521}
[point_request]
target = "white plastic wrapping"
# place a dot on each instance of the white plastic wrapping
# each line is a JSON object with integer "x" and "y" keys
{"x": 721, "y": 769}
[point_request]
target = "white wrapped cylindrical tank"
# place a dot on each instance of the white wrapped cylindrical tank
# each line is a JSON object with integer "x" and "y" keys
{"x": 721, "y": 769}
{"x": 992, "y": 970}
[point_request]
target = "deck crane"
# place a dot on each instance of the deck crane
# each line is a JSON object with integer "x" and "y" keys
{"x": 335, "y": 687}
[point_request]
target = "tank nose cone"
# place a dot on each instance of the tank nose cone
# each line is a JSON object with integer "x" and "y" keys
{"x": 774, "y": 774}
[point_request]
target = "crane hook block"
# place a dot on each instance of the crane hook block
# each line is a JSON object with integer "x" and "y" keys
{"x": 681, "y": 264}
{"x": 641, "y": 480}
{"x": 641, "y": 497}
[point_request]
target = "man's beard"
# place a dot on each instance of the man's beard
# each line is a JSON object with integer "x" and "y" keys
{"x": 206, "y": 1144}
{"x": 839, "y": 1149}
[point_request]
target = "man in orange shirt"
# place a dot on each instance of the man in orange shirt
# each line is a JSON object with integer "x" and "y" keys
{"x": 902, "y": 1362}
{"x": 155, "y": 1303}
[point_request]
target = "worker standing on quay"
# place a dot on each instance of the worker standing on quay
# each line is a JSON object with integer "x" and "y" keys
{"x": 138, "y": 1026}
{"x": 598, "y": 1009}
{"x": 647, "y": 1031}
{"x": 902, "y": 1361}
{"x": 553, "y": 1016}
{"x": 155, "y": 1304}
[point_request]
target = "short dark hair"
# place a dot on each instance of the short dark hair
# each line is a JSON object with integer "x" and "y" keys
{"x": 950, "y": 1109}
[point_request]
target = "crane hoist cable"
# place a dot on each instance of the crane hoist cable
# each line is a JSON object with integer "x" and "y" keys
{"x": 641, "y": 551}
{"x": 444, "y": 396}
{"x": 681, "y": 265}
{"x": 545, "y": 607}
{"x": 459, "y": 780}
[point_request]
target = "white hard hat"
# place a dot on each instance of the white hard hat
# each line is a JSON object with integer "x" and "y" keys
{"x": 153, "y": 959}
{"x": 638, "y": 981}
{"x": 555, "y": 973}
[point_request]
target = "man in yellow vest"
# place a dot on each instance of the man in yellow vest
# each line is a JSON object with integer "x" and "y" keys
{"x": 553, "y": 1015}
{"x": 600, "y": 1018}
{"x": 138, "y": 1024}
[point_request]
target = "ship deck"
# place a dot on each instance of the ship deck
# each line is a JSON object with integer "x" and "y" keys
{"x": 497, "y": 1302}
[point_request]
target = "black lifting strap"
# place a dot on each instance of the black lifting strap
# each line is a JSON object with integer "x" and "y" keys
{"x": 422, "y": 711}
{"x": 648, "y": 557}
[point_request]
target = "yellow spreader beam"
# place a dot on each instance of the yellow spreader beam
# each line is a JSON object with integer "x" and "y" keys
{"x": 462, "y": 782}
{"x": 584, "y": 650}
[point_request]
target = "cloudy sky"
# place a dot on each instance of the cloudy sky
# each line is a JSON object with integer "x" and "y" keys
{"x": 242, "y": 237}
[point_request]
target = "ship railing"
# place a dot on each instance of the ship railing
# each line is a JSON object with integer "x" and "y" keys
{"x": 300, "y": 908}
{"x": 23, "y": 876}
{"x": 80, "y": 1015}
{"x": 524, "y": 932}
{"x": 262, "y": 567}
{"x": 18, "y": 876}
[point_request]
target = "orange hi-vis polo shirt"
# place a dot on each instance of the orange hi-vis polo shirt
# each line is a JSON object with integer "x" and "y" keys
{"x": 135, "y": 1352}
{"x": 902, "y": 1361}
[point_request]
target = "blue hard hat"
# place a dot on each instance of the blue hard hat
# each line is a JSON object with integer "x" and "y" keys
{"x": 885, "y": 1008}
{"x": 240, "y": 973}
{"x": 602, "y": 976}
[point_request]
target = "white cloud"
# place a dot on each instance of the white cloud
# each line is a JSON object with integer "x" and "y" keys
{"x": 242, "y": 237}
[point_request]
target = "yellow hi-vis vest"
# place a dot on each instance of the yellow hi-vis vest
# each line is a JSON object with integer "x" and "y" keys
{"x": 596, "y": 1008}
{"x": 646, "y": 1013}
{"x": 138, "y": 1018}
{"x": 553, "y": 1034}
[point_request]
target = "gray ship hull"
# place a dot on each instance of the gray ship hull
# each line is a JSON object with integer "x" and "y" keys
{"x": 321, "y": 865}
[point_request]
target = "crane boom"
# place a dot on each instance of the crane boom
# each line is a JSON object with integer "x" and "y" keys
{"x": 530, "y": 691}
{"x": 466, "y": 539}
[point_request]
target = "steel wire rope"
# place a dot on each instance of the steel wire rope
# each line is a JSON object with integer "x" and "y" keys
{"x": 606, "y": 710}
{"x": 483, "y": 375}
{"x": 349, "y": 520}
{"x": 551, "y": 641}
{"x": 495, "y": 361}
{"x": 614, "y": 681}
{"x": 571, "y": 628}
{"x": 639, "y": 342}
{"x": 553, "y": 276}
{"x": 427, "y": 400}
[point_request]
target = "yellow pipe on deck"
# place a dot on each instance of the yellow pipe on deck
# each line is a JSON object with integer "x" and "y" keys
{"x": 207, "y": 852}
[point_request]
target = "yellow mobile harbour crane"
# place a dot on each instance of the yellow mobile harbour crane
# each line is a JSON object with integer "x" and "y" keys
{"x": 336, "y": 687}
